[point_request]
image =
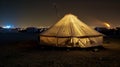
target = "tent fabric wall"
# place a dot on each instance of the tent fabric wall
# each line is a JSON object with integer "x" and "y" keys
{"x": 73, "y": 42}
{"x": 71, "y": 32}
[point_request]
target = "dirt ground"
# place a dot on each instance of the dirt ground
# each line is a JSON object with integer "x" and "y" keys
{"x": 28, "y": 54}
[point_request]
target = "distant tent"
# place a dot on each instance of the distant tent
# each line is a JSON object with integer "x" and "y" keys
{"x": 71, "y": 32}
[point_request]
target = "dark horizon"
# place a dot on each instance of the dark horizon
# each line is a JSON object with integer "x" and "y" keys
{"x": 36, "y": 13}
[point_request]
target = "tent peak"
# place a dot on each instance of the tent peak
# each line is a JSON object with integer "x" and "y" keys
{"x": 70, "y": 15}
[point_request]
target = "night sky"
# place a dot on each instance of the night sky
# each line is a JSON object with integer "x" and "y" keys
{"x": 36, "y": 13}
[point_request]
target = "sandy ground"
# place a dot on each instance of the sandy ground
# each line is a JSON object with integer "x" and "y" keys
{"x": 26, "y": 54}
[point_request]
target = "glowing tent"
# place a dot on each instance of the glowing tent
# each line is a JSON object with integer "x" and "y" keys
{"x": 71, "y": 32}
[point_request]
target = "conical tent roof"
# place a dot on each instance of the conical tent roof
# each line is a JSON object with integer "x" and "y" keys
{"x": 68, "y": 27}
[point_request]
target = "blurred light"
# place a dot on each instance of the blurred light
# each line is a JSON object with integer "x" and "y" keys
{"x": 8, "y": 26}
{"x": 107, "y": 25}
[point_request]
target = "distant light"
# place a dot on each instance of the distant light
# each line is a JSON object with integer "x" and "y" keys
{"x": 107, "y": 25}
{"x": 7, "y": 26}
